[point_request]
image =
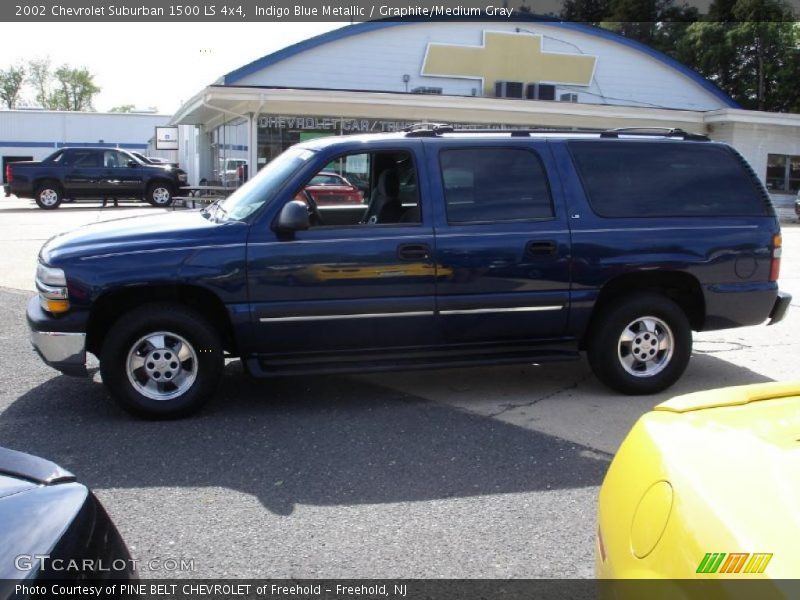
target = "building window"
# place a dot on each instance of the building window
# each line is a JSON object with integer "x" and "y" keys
{"x": 783, "y": 174}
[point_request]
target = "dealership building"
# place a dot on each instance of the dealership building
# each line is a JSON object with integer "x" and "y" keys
{"x": 535, "y": 73}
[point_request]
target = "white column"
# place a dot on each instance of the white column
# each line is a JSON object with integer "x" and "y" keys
{"x": 252, "y": 145}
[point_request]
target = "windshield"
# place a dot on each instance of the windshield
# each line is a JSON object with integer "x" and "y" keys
{"x": 256, "y": 192}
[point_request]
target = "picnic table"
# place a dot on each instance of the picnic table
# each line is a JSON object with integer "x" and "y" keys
{"x": 195, "y": 196}
{"x": 207, "y": 190}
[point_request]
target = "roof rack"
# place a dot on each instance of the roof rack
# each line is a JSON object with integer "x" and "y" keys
{"x": 426, "y": 129}
{"x": 436, "y": 129}
{"x": 663, "y": 131}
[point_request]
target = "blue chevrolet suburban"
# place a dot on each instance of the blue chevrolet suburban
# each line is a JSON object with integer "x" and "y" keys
{"x": 470, "y": 247}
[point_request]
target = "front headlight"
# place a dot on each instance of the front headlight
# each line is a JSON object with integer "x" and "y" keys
{"x": 51, "y": 283}
{"x": 182, "y": 177}
{"x": 51, "y": 275}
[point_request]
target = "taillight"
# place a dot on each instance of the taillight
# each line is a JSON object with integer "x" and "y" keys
{"x": 9, "y": 173}
{"x": 775, "y": 266}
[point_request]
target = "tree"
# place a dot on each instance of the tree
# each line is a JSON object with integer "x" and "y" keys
{"x": 588, "y": 11}
{"x": 752, "y": 54}
{"x": 123, "y": 108}
{"x": 39, "y": 77}
{"x": 66, "y": 88}
{"x": 657, "y": 23}
{"x": 11, "y": 82}
{"x": 748, "y": 48}
{"x": 76, "y": 89}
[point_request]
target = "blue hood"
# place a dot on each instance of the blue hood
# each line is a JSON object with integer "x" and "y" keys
{"x": 175, "y": 229}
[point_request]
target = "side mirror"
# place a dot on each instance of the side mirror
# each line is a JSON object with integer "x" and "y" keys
{"x": 293, "y": 217}
{"x": 133, "y": 163}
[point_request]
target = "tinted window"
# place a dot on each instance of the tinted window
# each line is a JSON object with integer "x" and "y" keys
{"x": 494, "y": 184}
{"x": 86, "y": 158}
{"x": 635, "y": 179}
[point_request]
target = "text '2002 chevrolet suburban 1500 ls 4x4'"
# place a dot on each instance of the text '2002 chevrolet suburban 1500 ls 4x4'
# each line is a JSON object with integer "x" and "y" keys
{"x": 471, "y": 247}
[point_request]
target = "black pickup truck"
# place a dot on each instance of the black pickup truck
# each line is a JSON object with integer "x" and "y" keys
{"x": 92, "y": 173}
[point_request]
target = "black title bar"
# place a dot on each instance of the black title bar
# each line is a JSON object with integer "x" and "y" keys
{"x": 338, "y": 10}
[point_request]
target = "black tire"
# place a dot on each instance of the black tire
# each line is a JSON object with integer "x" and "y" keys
{"x": 200, "y": 373}
{"x": 49, "y": 195}
{"x": 160, "y": 193}
{"x": 618, "y": 363}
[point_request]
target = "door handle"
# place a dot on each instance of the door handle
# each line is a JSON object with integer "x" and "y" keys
{"x": 413, "y": 252}
{"x": 540, "y": 248}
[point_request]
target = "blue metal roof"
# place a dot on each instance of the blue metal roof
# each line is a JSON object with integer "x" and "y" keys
{"x": 352, "y": 30}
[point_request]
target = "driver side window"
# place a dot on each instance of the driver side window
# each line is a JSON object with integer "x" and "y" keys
{"x": 113, "y": 159}
{"x": 363, "y": 189}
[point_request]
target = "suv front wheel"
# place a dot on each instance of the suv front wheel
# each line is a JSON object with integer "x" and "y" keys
{"x": 161, "y": 361}
{"x": 159, "y": 194}
{"x": 640, "y": 345}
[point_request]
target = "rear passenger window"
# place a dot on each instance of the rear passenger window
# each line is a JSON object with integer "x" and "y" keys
{"x": 489, "y": 185}
{"x": 668, "y": 179}
{"x": 86, "y": 159}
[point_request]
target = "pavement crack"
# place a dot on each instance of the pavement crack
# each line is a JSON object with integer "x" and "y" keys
{"x": 511, "y": 406}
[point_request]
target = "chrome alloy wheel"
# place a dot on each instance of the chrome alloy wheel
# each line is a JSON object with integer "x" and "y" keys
{"x": 162, "y": 365}
{"x": 161, "y": 195}
{"x": 48, "y": 197}
{"x": 645, "y": 346}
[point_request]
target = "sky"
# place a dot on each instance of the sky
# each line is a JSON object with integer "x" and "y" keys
{"x": 153, "y": 64}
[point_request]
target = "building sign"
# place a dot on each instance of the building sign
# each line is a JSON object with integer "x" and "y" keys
{"x": 347, "y": 125}
{"x": 166, "y": 138}
{"x": 333, "y": 124}
{"x": 508, "y": 57}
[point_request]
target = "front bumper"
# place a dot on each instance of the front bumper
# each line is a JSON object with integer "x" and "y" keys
{"x": 779, "y": 308}
{"x": 65, "y": 351}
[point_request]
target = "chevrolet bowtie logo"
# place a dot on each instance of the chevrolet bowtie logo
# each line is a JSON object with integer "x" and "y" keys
{"x": 508, "y": 57}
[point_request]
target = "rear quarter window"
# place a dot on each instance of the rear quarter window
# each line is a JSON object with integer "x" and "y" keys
{"x": 666, "y": 179}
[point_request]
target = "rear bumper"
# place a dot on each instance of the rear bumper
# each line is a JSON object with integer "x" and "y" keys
{"x": 65, "y": 351}
{"x": 779, "y": 308}
{"x": 738, "y": 304}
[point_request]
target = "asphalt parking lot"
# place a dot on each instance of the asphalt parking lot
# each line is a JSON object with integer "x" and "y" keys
{"x": 481, "y": 472}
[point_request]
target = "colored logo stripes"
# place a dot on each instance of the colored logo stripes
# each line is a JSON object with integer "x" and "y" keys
{"x": 736, "y": 562}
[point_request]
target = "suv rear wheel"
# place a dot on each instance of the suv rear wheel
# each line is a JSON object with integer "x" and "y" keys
{"x": 49, "y": 196}
{"x": 640, "y": 345}
{"x": 161, "y": 361}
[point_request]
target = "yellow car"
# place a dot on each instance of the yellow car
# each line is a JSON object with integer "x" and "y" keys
{"x": 706, "y": 486}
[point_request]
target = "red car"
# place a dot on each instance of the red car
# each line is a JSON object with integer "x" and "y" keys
{"x": 331, "y": 188}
